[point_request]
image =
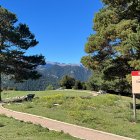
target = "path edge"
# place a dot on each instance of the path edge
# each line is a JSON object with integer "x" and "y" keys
{"x": 98, "y": 131}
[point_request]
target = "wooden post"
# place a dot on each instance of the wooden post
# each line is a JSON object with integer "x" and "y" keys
{"x": 134, "y": 106}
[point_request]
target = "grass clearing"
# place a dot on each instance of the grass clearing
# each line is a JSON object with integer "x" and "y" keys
{"x": 110, "y": 113}
{"x": 9, "y": 94}
{"x": 19, "y": 130}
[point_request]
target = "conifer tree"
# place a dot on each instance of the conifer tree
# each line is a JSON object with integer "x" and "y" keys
{"x": 15, "y": 39}
{"x": 117, "y": 37}
{"x": 67, "y": 82}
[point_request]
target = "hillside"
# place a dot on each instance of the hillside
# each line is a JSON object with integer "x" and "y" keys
{"x": 51, "y": 74}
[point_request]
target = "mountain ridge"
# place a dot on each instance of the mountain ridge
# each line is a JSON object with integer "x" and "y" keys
{"x": 51, "y": 73}
{"x": 62, "y": 64}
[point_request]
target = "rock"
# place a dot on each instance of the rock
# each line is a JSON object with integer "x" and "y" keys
{"x": 18, "y": 99}
{"x": 101, "y": 92}
{"x": 56, "y": 104}
{"x": 30, "y": 97}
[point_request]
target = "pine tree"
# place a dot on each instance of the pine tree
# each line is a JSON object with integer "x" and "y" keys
{"x": 15, "y": 39}
{"x": 67, "y": 82}
{"x": 117, "y": 37}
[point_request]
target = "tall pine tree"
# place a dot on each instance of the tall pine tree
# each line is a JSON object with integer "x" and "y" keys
{"x": 117, "y": 38}
{"x": 15, "y": 39}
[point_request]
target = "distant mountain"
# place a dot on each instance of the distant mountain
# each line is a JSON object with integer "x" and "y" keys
{"x": 50, "y": 64}
{"x": 51, "y": 73}
{"x": 58, "y": 70}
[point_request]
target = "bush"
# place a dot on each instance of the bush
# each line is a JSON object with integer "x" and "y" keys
{"x": 50, "y": 87}
{"x": 67, "y": 82}
{"x": 78, "y": 85}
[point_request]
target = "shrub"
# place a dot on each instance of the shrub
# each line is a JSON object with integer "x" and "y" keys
{"x": 50, "y": 87}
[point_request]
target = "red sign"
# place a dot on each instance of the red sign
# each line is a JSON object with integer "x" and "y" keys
{"x": 135, "y": 73}
{"x": 135, "y": 82}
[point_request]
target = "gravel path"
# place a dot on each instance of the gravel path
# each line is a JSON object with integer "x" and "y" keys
{"x": 74, "y": 130}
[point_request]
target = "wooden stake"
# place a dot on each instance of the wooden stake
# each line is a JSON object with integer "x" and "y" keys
{"x": 134, "y": 106}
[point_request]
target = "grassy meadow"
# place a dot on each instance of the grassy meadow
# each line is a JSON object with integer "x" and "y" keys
{"x": 11, "y": 129}
{"x": 110, "y": 113}
{"x": 72, "y": 93}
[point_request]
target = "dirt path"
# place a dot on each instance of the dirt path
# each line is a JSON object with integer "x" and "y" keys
{"x": 74, "y": 130}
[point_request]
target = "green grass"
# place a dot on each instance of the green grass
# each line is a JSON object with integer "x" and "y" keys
{"x": 9, "y": 94}
{"x": 110, "y": 113}
{"x": 11, "y": 129}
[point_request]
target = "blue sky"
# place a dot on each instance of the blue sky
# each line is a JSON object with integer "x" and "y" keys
{"x": 61, "y": 26}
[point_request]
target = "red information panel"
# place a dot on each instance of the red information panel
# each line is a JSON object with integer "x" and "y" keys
{"x": 135, "y": 82}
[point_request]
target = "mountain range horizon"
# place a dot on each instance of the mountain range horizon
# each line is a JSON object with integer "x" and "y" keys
{"x": 63, "y": 63}
{"x": 52, "y": 73}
